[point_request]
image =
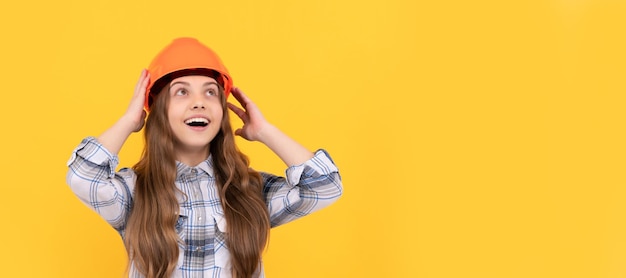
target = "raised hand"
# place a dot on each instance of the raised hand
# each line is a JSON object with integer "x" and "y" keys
{"x": 253, "y": 121}
{"x": 256, "y": 128}
{"x": 132, "y": 120}
{"x": 135, "y": 112}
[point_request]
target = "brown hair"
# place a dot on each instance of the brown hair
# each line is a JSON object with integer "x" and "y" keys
{"x": 151, "y": 239}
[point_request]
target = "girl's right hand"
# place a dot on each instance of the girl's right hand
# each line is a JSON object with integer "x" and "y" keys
{"x": 135, "y": 113}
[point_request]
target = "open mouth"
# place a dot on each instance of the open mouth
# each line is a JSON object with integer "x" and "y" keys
{"x": 197, "y": 122}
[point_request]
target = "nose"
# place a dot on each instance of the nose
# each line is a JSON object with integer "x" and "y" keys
{"x": 198, "y": 106}
{"x": 198, "y": 103}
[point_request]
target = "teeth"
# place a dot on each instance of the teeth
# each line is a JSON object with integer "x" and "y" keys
{"x": 197, "y": 120}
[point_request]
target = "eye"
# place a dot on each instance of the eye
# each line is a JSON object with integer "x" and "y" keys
{"x": 180, "y": 92}
{"x": 211, "y": 92}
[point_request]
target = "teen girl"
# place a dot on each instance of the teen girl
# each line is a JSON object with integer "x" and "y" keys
{"x": 192, "y": 206}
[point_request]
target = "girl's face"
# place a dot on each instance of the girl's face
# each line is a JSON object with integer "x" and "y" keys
{"x": 194, "y": 112}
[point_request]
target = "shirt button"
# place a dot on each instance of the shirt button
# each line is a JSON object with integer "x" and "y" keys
{"x": 198, "y": 248}
{"x": 199, "y": 218}
{"x": 194, "y": 171}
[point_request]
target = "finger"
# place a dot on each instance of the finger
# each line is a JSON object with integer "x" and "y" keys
{"x": 141, "y": 90}
{"x": 237, "y": 94}
{"x": 238, "y": 111}
{"x": 138, "y": 84}
{"x": 238, "y": 132}
{"x": 146, "y": 80}
{"x": 240, "y": 96}
{"x": 142, "y": 83}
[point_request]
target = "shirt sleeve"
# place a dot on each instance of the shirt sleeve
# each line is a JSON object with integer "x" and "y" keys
{"x": 306, "y": 188}
{"x": 92, "y": 177}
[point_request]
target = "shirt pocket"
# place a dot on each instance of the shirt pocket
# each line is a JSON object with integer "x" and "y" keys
{"x": 181, "y": 223}
{"x": 222, "y": 255}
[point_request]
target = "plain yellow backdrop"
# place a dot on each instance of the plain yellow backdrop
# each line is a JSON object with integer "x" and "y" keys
{"x": 475, "y": 138}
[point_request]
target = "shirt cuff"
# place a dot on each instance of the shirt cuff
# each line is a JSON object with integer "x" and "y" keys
{"x": 319, "y": 165}
{"x": 91, "y": 150}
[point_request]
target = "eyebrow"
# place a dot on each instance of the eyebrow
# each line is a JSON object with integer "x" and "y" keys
{"x": 187, "y": 83}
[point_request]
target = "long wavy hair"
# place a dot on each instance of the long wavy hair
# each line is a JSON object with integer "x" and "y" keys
{"x": 151, "y": 239}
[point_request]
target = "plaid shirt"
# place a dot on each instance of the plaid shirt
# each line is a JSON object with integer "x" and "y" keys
{"x": 201, "y": 224}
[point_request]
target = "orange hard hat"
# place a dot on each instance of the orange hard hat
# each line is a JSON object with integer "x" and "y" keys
{"x": 185, "y": 56}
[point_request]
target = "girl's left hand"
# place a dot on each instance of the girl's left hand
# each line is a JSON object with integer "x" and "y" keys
{"x": 253, "y": 120}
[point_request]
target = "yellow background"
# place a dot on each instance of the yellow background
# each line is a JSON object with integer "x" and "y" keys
{"x": 475, "y": 138}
